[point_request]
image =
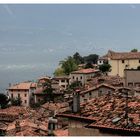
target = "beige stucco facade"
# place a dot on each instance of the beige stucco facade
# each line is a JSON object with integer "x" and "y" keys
{"x": 62, "y": 81}
{"x": 82, "y": 77}
{"x": 118, "y": 66}
{"x": 96, "y": 93}
{"x": 22, "y": 90}
{"x": 132, "y": 78}
{"x": 78, "y": 128}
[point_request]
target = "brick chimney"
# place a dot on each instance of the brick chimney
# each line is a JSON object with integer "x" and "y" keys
{"x": 76, "y": 101}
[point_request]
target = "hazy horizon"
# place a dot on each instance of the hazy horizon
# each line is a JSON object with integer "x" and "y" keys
{"x": 35, "y": 37}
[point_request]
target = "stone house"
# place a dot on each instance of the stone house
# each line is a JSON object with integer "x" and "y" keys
{"x": 83, "y": 75}
{"x": 24, "y": 90}
{"x": 63, "y": 81}
{"x": 96, "y": 91}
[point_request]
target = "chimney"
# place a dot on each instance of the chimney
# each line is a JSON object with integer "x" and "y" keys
{"x": 76, "y": 101}
{"x": 52, "y": 125}
{"x": 17, "y": 126}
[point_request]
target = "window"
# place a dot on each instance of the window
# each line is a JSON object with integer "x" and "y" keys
{"x": 25, "y": 101}
{"x": 89, "y": 93}
{"x": 81, "y": 77}
{"x": 63, "y": 86}
{"x": 122, "y": 61}
{"x": 18, "y": 95}
{"x": 83, "y": 96}
{"x": 100, "y": 92}
{"x": 85, "y": 100}
{"x": 73, "y": 77}
{"x": 12, "y": 95}
{"x": 62, "y": 80}
{"x": 100, "y": 61}
{"x": 130, "y": 84}
{"x": 139, "y": 61}
{"x": 77, "y": 78}
{"x": 25, "y": 95}
{"x": 137, "y": 84}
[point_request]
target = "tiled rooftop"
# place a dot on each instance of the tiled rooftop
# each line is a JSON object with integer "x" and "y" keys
{"x": 24, "y": 85}
{"x": 123, "y": 55}
{"x": 111, "y": 80}
{"x": 105, "y": 111}
{"x": 96, "y": 87}
{"x": 61, "y": 132}
{"x": 85, "y": 71}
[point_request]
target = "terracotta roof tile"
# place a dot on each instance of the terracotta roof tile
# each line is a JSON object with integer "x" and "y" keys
{"x": 85, "y": 71}
{"x": 61, "y": 132}
{"x": 24, "y": 85}
{"x": 123, "y": 55}
{"x": 102, "y": 110}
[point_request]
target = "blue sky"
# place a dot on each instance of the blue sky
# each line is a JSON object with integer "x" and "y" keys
{"x": 35, "y": 37}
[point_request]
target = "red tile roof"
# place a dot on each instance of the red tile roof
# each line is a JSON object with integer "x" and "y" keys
{"x": 61, "y": 132}
{"x": 111, "y": 80}
{"x": 123, "y": 55}
{"x": 98, "y": 86}
{"x": 85, "y": 71}
{"x": 24, "y": 85}
{"x": 60, "y": 77}
{"x": 104, "y": 109}
{"x": 39, "y": 90}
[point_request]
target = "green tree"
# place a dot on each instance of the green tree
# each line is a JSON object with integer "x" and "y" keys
{"x": 59, "y": 72}
{"x": 75, "y": 84}
{"x": 78, "y": 58}
{"x": 92, "y": 58}
{"x": 16, "y": 101}
{"x": 104, "y": 67}
{"x": 88, "y": 65}
{"x": 134, "y": 50}
{"x": 49, "y": 92}
{"x": 68, "y": 65}
{"x": 3, "y": 100}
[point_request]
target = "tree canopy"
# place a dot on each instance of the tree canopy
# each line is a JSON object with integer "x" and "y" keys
{"x": 71, "y": 63}
{"x": 104, "y": 67}
{"x": 59, "y": 72}
{"x": 16, "y": 101}
{"x": 134, "y": 50}
{"x": 88, "y": 65}
{"x": 92, "y": 58}
{"x": 68, "y": 65}
{"x": 49, "y": 92}
{"x": 78, "y": 58}
{"x": 75, "y": 84}
{"x": 3, "y": 100}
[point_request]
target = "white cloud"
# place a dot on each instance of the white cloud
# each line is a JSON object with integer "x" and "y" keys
{"x": 22, "y": 66}
{"x": 16, "y": 67}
